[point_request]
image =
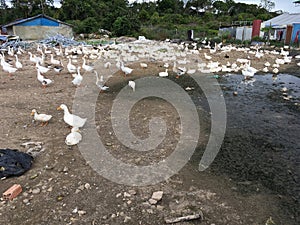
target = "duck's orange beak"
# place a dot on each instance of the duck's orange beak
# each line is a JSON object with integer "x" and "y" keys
{"x": 58, "y": 108}
{"x": 32, "y": 113}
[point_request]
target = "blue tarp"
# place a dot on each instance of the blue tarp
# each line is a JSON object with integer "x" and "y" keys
{"x": 296, "y": 31}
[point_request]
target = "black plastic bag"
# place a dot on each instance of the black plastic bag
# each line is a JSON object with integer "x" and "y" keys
{"x": 14, "y": 162}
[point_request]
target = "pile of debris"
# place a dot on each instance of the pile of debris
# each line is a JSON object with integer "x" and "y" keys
{"x": 59, "y": 39}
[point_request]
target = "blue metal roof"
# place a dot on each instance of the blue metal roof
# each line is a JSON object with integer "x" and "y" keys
{"x": 38, "y": 20}
{"x": 283, "y": 20}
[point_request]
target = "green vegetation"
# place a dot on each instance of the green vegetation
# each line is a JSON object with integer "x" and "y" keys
{"x": 155, "y": 20}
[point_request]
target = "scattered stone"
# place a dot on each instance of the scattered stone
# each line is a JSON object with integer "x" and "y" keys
{"x": 160, "y": 207}
{"x": 81, "y": 187}
{"x": 150, "y": 211}
{"x": 50, "y": 189}
{"x": 127, "y": 195}
{"x": 104, "y": 217}
{"x": 118, "y": 195}
{"x": 87, "y": 186}
{"x": 81, "y": 212}
{"x": 126, "y": 219}
{"x": 157, "y": 195}
{"x": 235, "y": 93}
{"x": 36, "y": 191}
{"x": 25, "y": 201}
{"x": 132, "y": 192}
{"x": 75, "y": 210}
{"x": 66, "y": 169}
{"x": 152, "y": 201}
{"x": 113, "y": 215}
{"x": 185, "y": 218}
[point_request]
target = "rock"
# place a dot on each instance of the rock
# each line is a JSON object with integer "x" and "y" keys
{"x": 113, "y": 215}
{"x": 87, "y": 186}
{"x": 132, "y": 192}
{"x": 25, "y": 201}
{"x": 65, "y": 169}
{"x": 152, "y": 201}
{"x": 81, "y": 212}
{"x": 160, "y": 207}
{"x": 118, "y": 195}
{"x": 36, "y": 191}
{"x": 235, "y": 93}
{"x": 81, "y": 187}
{"x": 50, "y": 189}
{"x": 126, "y": 219}
{"x": 126, "y": 195}
{"x": 157, "y": 195}
{"x": 75, "y": 210}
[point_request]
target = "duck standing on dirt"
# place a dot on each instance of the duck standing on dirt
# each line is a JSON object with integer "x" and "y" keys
{"x": 70, "y": 119}
{"x": 44, "y": 118}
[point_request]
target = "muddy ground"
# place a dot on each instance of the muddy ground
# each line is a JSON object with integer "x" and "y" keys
{"x": 253, "y": 180}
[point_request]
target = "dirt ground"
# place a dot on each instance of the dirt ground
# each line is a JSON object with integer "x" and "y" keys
{"x": 254, "y": 179}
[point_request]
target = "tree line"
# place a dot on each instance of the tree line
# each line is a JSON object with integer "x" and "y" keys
{"x": 122, "y": 18}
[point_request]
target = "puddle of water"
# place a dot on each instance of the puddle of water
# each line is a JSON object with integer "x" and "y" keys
{"x": 262, "y": 84}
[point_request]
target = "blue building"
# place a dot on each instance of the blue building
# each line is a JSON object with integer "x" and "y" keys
{"x": 38, "y": 27}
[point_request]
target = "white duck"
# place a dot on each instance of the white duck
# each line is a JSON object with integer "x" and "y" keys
{"x": 163, "y": 73}
{"x": 131, "y": 84}
{"x": 71, "y": 68}
{"x": 70, "y": 119}
{"x": 78, "y": 78}
{"x": 44, "y": 81}
{"x": 144, "y": 65}
{"x": 100, "y": 82}
{"x": 87, "y": 68}
{"x": 42, "y": 69}
{"x": 18, "y": 64}
{"x": 44, "y": 118}
{"x": 54, "y": 61}
{"x": 74, "y": 137}
{"x": 126, "y": 70}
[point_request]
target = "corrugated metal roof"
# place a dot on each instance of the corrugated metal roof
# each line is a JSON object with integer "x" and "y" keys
{"x": 32, "y": 18}
{"x": 283, "y": 20}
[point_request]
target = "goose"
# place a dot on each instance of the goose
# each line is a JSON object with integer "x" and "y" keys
{"x": 58, "y": 69}
{"x": 42, "y": 69}
{"x": 279, "y": 61}
{"x": 70, "y": 119}
{"x": 126, "y": 70}
{"x": 107, "y": 65}
{"x": 275, "y": 70}
{"x": 44, "y": 81}
{"x": 54, "y": 61}
{"x": 265, "y": 69}
{"x": 18, "y": 64}
{"x": 207, "y": 56}
{"x": 9, "y": 69}
{"x": 143, "y": 65}
{"x": 78, "y": 78}
{"x": 287, "y": 59}
{"x": 34, "y": 58}
{"x": 20, "y": 51}
{"x": 99, "y": 82}
{"x": 71, "y": 68}
{"x": 131, "y": 84}
{"x": 44, "y": 118}
{"x": 74, "y": 137}
{"x": 163, "y": 73}
{"x": 87, "y": 68}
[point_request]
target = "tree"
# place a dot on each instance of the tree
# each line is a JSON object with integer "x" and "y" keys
{"x": 267, "y": 4}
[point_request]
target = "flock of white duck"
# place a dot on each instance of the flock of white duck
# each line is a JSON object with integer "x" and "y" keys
{"x": 179, "y": 59}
